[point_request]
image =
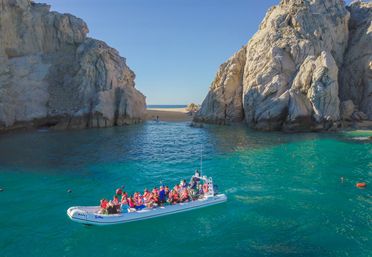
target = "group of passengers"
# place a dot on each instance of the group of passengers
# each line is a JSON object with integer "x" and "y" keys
{"x": 182, "y": 192}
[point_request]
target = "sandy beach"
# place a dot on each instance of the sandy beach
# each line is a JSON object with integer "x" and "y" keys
{"x": 168, "y": 114}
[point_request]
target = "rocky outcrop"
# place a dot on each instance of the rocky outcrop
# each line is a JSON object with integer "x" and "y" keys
{"x": 356, "y": 72}
{"x": 288, "y": 73}
{"x": 347, "y": 109}
{"x": 224, "y": 102}
{"x": 52, "y": 74}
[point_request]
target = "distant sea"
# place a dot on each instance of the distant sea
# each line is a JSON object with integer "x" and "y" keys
{"x": 165, "y": 106}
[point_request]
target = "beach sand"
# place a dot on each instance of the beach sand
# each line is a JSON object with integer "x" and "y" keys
{"x": 168, "y": 114}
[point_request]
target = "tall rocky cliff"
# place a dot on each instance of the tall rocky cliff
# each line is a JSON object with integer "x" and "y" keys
{"x": 308, "y": 67}
{"x": 52, "y": 74}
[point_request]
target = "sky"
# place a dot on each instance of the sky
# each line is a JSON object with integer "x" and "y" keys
{"x": 174, "y": 46}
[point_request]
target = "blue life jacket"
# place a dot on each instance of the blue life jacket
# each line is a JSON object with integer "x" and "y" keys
{"x": 162, "y": 195}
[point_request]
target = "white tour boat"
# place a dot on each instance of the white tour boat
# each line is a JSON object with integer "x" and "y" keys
{"x": 90, "y": 214}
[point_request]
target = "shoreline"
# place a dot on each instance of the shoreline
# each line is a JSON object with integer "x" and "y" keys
{"x": 182, "y": 115}
{"x": 168, "y": 114}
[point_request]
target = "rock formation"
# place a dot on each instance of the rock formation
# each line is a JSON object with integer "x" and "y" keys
{"x": 224, "y": 102}
{"x": 52, "y": 74}
{"x": 356, "y": 72}
{"x": 288, "y": 75}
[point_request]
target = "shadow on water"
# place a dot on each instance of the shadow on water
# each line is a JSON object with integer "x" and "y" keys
{"x": 152, "y": 142}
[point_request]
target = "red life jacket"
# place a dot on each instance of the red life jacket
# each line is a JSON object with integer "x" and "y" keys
{"x": 131, "y": 203}
{"x": 104, "y": 204}
{"x": 175, "y": 197}
{"x": 146, "y": 195}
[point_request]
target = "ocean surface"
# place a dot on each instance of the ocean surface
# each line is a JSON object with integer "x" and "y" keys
{"x": 285, "y": 195}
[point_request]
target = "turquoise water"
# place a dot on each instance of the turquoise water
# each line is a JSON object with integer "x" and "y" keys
{"x": 285, "y": 197}
{"x": 359, "y": 133}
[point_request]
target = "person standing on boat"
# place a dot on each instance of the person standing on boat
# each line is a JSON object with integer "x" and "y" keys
{"x": 183, "y": 184}
{"x": 162, "y": 195}
{"x": 200, "y": 191}
{"x": 197, "y": 173}
{"x": 195, "y": 180}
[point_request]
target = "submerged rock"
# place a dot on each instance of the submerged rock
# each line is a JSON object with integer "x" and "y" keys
{"x": 287, "y": 76}
{"x": 53, "y": 75}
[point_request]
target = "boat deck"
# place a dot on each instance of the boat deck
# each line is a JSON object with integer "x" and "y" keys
{"x": 90, "y": 215}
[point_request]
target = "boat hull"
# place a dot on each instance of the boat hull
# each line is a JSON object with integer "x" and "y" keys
{"x": 89, "y": 215}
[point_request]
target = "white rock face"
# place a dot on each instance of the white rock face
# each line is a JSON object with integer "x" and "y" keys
{"x": 224, "y": 102}
{"x": 290, "y": 69}
{"x": 51, "y": 74}
{"x": 356, "y": 73}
